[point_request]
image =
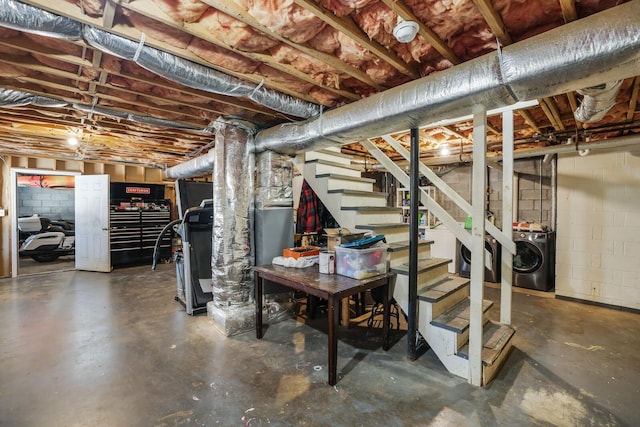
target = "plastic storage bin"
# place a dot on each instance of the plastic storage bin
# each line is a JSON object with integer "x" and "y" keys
{"x": 362, "y": 263}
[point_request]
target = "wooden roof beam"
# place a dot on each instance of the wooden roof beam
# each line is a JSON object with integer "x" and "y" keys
{"x": 348, "y": 27}
{"x": 148, "y": 9}
{"x": 71, "y": 11}
{"x": 232, "y": 9}
{"x": 527, "y": 118}
{"x": 573, "y": 102}
{"x": 569, "y": 12}
{"x": 550, "y": 109}
{"x": 427, "y": 33}
{"x": 633, "y": 100}
{"x": 494, "y": 20}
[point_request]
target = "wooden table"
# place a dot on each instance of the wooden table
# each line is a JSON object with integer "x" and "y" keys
{"x": 331, "y": 287}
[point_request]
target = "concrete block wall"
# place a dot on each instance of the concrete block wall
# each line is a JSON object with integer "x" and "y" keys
{"x": 534, "y": 198}
{"x": 534, "y": 183}
{"x": 598, "y": 233}
{"x": 53, "y": 203}
{"x": 459, "y": 179}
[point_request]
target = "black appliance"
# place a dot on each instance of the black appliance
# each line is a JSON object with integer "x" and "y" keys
{"x": 194, "y": 273}
{"x": 492, "y": 260}
{"x": 190, "y": 194}
{"x": 534, "y": 261}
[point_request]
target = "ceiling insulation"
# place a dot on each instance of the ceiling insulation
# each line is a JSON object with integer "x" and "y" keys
{"x": 293, "y": 60}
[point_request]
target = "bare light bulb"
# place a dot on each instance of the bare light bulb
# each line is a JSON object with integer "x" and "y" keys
{"x": 73, "y": 141}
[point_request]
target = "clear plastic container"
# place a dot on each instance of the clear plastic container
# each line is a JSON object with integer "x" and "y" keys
{"x": 362, "y": 263}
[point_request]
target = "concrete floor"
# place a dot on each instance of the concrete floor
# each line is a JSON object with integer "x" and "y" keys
{"x": 28, "y": 266}
{"x": 93, "y": 349}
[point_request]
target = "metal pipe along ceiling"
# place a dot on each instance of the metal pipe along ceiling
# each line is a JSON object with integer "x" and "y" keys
{"x": 27, "y": 18}
{"x": 597, "y": 101}
{"x": 624, "y": 141}
{"x": 600, "y": 48}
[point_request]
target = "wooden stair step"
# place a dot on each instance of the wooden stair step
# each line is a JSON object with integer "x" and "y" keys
{"x": 404, "y": 245}
{"x": 390, "y": 225}
{"x": 457, "y": 318}
{"x": 359, "y": 193}
{"x": 336, "y": 164}
{"x": 345, "y": 177}
{"x": 360, "y": 197}
{"x": 423, "y": 265}
{"x": 495, "y": 338}
{"x": 334, "y": 153}
{"x": 439, "y": 290}
{"x": 372, "y": 209}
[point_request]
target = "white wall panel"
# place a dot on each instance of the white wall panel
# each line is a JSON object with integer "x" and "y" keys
{"x": 598, "y": 232}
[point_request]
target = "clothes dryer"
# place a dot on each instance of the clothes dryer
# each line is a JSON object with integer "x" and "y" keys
{"x": 534, "y": 262}
{"x": 492, "y": 260}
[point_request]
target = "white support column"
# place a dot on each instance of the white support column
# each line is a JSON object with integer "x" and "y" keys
{"x": 507, "y": 214}
{"x": 478, "y": 209}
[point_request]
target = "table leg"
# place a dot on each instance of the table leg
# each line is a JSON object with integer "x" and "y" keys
{"x": 258, "y": 289}
{"x": 386, "y": 316}
{"x": 334, "y": 307}
{"x": 344, "y": 315}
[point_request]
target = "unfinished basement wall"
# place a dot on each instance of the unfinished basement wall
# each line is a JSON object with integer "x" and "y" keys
{"x": 534, "y": 195}
{"x": 598, "y": 233}
{"x": 53, "y": 203}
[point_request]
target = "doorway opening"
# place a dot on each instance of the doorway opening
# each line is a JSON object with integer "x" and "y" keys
{"x": 42, "y": 202}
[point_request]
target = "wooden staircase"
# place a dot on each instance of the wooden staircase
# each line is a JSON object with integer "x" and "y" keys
{"x": 443, "y": 300}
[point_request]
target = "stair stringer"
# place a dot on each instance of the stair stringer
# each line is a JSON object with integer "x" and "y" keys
{"x": 332, "y": 201}
{"x": 444, "y": 343}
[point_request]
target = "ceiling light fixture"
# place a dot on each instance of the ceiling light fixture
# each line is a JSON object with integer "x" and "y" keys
{"x": 405, "y": 31}
{"x": 72, "y": 140}
{"x": 444, "y": 150}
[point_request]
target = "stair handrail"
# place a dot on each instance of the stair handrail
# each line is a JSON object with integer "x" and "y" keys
{"x": 504, "y": 239}
{"x": 449, "y": 221}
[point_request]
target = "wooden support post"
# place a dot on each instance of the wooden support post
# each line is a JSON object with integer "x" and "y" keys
{"x": 478, "y": 208}
{"x": 507, "y": 214}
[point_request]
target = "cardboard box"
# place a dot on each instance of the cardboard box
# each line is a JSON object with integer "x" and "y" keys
{"x": 362, "y": 263}
{"x": 337, "y": 236}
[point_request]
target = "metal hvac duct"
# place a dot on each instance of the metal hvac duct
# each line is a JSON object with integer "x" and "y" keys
{"x": 584, "y": 53}
{"x": 200, "y": 166}
{"x": 194, "y": 75}
{"x": 31, "y": 19}
{"x": 10, "y": 98}
{"x": 23, "y": 17}
{"x": 232, "y": 255}
{"x": 630, "y": 142}
{"x": 597, "y": 101}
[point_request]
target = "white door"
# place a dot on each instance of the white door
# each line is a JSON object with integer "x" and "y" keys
{"x": 92, "y": 223}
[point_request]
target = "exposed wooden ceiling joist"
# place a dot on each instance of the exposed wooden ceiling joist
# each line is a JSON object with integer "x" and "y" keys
{"x": 494, "y": 20}
{"x": 450, "y": 33}
{"x": 348, "y": 27}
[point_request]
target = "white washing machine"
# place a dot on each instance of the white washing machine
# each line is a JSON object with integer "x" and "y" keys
{"x": 534, "y": 261}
